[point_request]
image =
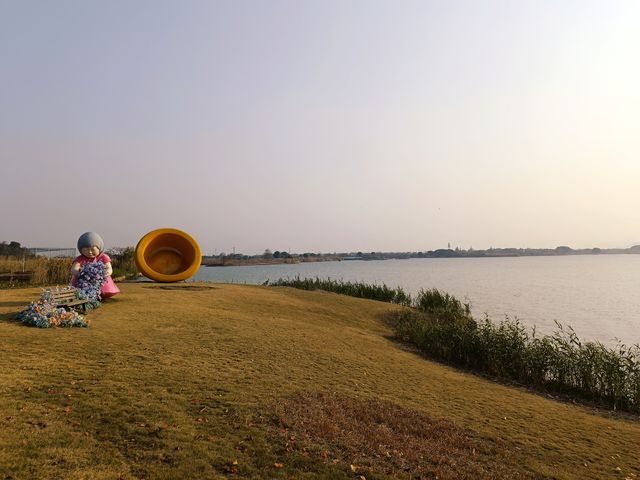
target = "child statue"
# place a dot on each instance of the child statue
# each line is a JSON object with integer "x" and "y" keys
{"x": 91, "y": 247}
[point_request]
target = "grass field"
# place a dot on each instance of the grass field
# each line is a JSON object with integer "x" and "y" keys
{"x": 228, "y": 381}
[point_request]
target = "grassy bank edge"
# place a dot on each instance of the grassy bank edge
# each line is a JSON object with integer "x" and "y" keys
{"x": 442, "y": 327}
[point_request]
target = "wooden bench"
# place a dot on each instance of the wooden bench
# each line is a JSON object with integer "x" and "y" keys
{"x": 68, "y": 298}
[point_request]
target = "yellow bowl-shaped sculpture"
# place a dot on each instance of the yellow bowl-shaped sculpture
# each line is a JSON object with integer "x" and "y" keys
{"x": 168, "y": 255}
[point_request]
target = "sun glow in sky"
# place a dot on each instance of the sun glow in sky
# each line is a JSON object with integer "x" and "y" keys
{"x": 321, "y": 125}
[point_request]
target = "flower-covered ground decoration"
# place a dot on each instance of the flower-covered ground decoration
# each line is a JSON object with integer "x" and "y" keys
{"x": 44, "y": 313}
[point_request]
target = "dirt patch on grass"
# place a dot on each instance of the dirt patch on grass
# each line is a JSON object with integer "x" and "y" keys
{"x": 376, "y": 439}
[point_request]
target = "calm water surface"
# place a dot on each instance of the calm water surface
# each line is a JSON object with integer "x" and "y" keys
{"x": 599, "y": 296}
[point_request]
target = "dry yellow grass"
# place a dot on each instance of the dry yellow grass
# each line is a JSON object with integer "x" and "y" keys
{"x": 167, "y": 380}
{"x": 43, "y": 270}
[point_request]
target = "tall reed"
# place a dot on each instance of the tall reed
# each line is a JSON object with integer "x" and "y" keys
{"x": 442, "y": 304}
{"x": 353, "y": 289}
{"x": 559, "y": 362}
{"x": 44, "y": 271}
{"x": 123, "y": 262}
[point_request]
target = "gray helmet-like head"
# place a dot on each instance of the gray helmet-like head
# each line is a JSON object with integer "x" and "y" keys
{"x": 90, "y": 239}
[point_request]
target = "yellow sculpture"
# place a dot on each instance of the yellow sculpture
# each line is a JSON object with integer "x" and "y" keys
{"x": 168, "y": 255}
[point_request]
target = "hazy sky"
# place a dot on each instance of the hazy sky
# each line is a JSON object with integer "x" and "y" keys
{"x": 321, "y": 125}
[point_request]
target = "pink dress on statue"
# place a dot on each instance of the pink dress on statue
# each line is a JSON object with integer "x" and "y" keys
{"x": 109, "y": 288}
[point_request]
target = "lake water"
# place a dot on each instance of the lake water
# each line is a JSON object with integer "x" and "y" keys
{"x": 599, "y": 295}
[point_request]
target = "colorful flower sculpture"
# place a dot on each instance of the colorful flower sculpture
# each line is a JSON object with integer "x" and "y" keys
{"x": 44, "y": 313}
{"x": 90, "y": 280}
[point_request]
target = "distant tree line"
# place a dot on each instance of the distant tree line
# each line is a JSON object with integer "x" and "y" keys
{"x": 522, "y": 252}
{"x": 279, "y": 256}
{"x": 14, "y": 249}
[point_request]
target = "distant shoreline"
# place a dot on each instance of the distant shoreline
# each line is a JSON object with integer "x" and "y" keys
{"x": 243, "y": 260}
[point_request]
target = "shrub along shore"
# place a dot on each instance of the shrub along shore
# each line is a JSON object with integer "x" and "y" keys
{"x": 442, "y": 327}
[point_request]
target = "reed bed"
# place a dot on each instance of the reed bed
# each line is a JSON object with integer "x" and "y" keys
{"x": 559, "y": 362}
{"x": 352, "y": 289}
{"x": 44, "y": 271}
{"x": 123, "y": 262}
{"x": 56, "y": 271}
{"x": 441, "y": 304}
{"x": 443, "y": 329}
